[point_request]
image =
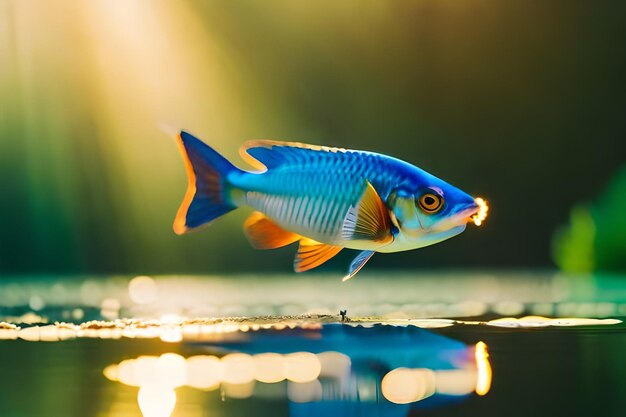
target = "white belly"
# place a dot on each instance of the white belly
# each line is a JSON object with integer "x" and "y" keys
{"x": 403, "y": 242}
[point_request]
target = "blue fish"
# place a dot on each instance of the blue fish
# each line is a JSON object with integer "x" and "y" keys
{"x": 324, "y": 198}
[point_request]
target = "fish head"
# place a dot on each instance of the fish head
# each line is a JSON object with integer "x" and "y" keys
{"x": 430, "y": 210}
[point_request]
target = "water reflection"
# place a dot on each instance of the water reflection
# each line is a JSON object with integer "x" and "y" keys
{"x": 404, "y": 386}
{"x": 156, "y": 401}
{"x": 342, "y": 370}
{"x": 483, "y": 368}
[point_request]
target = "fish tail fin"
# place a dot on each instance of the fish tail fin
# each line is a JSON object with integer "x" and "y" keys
{"x": 207, "y": 196}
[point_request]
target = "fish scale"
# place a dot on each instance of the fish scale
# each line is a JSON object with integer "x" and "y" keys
{"x": 321, "y": 216}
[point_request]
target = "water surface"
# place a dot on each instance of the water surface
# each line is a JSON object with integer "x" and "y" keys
{"x": 428, "y": 344}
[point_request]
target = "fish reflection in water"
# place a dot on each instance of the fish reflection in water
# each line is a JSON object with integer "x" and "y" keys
{"x": 336, "y": 370}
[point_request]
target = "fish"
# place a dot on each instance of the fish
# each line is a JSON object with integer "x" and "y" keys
{"x": 324, "y": 198}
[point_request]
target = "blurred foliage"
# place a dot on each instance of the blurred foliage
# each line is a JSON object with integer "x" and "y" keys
{"x": 573, "y": 245}
{"x": 520, "y": 103}
{"x": 595, "y": 239}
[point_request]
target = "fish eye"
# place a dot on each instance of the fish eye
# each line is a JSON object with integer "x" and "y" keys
{"x": 430, "y": 202}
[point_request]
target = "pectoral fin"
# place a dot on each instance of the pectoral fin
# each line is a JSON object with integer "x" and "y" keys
{"x": 262, "y": 233}
{"x": 312, "y": 254}
{"x": 358, "y": 263}
{"x": 368, "y": 220}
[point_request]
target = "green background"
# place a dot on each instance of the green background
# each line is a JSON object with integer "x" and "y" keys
{"x": 521, "y": 103}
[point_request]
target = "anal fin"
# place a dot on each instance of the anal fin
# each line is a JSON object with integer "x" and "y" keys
{"x": 263, "y": 233}
{"x": 312, "y": 254}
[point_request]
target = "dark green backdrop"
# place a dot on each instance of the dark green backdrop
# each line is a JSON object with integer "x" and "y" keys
{"x": 521, "y": 102}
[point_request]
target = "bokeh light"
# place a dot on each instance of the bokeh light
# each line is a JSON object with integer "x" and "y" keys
{"x": 270, "y": 367}
{"x": 302, "y": 367}
{"x": 334, "y": 364}
{"x": 142, "y": 290}
{"x": 204, "y": 372}
{"x": 455, "y": 381}
{"x": 238, "y": 368}
{"x": 171, "y": 370}
{"x": 156, "y": 401}
{"x": 403, "y": 385}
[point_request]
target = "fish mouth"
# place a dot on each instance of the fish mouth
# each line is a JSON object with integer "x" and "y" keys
{"x": 475, "y": 212}
{"x": 468, "y": 212}
{"x": 461, "y": 216}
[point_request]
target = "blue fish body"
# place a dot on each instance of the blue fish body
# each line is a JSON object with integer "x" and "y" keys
{"x": 325, "y": 198}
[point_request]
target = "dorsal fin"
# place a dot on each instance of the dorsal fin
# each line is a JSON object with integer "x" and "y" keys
{"x": 262, "y": 233}
{"x": 268, "y": 154}
{"x": 368, "y": 220}
{"x": 312, "y": 254}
